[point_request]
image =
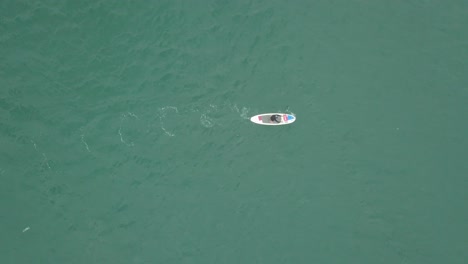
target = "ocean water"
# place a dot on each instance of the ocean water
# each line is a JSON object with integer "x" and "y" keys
{"x": 125, "y": 133}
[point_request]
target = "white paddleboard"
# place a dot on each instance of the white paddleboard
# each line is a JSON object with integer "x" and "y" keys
{"x": 267, "y": 120}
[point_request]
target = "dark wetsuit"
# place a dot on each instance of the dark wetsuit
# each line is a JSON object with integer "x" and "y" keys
{"x": 275, "y": 118}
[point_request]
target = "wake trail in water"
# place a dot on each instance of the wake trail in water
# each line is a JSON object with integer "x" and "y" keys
{"x": 163, "y": 111}
{"x": 287, "y": 111}
{"x": 123, "y": 118}
{"x": 45, "y": 160}
{"x": 84, "y": 142}
{"x": 209, "y": 116}
{"x": 243, "y": 111}
{"x": 169, "y": 118}
{"x": 206, "y": 121}
{"x": 83, "y": 139}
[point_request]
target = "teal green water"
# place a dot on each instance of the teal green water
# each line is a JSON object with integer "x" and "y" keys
{"x": 125, "y": 133}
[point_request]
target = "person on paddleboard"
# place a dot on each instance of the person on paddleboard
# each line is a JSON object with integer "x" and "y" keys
{"x": 275, "y": 118}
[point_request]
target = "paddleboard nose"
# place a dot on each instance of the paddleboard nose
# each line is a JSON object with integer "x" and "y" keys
{"x": 290, "y": 117}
